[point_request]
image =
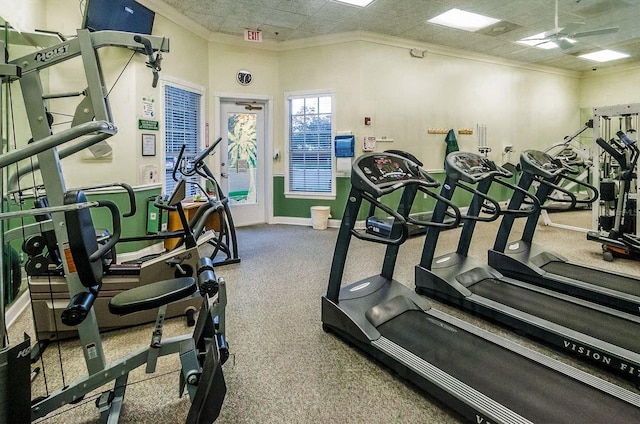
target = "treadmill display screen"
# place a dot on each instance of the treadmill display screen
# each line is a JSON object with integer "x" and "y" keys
{"x": 471, "y": 164}
{"x": 539, "y": 163}
{"x": 382, "y": 169}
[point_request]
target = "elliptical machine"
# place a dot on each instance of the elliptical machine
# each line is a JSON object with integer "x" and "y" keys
{"x": 225, "y": 243}
{"x": 618, "y": 242}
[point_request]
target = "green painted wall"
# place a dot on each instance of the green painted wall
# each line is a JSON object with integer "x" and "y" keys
{"x": 132, "y": 226}
{"x": 300, "y": 208}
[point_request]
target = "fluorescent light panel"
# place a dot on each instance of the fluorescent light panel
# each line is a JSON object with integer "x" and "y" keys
{"x": 467, "y": 21}
{"x": 361, "y": 3}
{"x": 604, "y": 56}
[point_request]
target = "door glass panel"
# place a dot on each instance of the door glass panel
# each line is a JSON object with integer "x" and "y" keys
{"x": 242, "y": 156}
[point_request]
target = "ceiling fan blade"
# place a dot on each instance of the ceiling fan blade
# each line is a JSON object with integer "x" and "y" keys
{"x": 600, "y": 31}
{"x": 551, "y": 33}
{"x": 563, "y": 43}
{"x": 570, "y": 28}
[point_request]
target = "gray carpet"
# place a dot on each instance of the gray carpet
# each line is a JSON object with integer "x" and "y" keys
{"x": 284, "y": 368}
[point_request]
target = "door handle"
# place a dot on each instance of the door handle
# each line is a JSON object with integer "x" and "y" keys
{"x": 224, "y": 175}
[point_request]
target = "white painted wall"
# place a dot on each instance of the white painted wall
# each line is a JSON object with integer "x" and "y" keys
{"x": 610, "y": 87}
{"x": 187, "y": 60}
{"x": 406, "y": 96}
{"x": 372, "y": 76}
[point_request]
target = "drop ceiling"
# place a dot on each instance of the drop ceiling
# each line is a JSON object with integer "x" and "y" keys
{"x": 284, "y": 20}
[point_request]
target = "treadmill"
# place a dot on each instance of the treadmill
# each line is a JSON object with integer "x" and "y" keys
{"x": 573, "y": 326}
{"x": 526, "y": 261}
{"x": 484, "y": 377}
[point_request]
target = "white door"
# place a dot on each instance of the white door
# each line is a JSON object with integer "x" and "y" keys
{"x": 242, "y": 169}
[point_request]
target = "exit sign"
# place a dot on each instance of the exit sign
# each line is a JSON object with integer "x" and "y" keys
{"x": 253, "y": 35}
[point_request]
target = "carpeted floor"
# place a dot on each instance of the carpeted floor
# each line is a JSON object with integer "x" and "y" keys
{"x": 284, "y": 368}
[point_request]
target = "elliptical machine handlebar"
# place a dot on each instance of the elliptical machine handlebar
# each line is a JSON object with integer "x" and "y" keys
{"x": 198, "y": 160}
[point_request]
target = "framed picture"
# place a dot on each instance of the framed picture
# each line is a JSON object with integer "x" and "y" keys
{"x": 148, "y": 144}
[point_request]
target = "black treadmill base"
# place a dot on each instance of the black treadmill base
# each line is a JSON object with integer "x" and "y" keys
{"x": 504, "y": 376}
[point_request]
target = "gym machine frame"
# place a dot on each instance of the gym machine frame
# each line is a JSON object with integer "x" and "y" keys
{"x": 197, "y": 365}
{"x": 605, "y": 113}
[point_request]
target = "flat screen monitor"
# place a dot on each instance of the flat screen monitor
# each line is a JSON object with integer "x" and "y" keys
{"x": 118, "y": 15}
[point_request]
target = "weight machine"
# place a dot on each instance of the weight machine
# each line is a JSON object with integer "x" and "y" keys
{"x": 616, "y": 173}
{"x": 201, "y": 353}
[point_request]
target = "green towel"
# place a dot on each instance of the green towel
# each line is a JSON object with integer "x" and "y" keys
{"x": 452, "y": 143}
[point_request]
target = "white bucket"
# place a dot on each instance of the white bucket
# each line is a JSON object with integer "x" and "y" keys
{"x": 320, "y": 217}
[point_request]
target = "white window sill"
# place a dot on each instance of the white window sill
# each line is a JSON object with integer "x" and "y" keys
{"x": 317, "y": 196}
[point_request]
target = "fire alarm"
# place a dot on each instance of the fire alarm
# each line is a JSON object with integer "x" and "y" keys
{"x": 367, "y": 120}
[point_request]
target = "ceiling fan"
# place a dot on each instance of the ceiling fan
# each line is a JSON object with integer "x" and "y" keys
{"x": 565, "y": 37}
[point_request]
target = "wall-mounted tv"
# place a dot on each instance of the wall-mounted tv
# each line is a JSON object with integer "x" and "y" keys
{"x": 118, "y": 15}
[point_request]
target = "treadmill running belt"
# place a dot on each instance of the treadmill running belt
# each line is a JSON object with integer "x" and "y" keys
{"x": 595, "y": 277}
{"x": 524, "y": 386}
{"x": 576, "y": 317}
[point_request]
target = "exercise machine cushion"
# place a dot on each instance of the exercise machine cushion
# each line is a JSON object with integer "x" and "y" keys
{"x": 151, "y": 296}
{"x": 82, "y": 240}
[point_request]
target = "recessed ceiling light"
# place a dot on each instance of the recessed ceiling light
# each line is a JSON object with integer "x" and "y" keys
{"x": 604, "y": 56}
{"x": 361, "y": 3}
{"x": 459, "y": 19}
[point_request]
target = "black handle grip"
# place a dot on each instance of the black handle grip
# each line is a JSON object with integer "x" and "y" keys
{"x": 206, "y": 152}
{"x": 153, "y": 62}
{"x": 177, "y": 164}
{"x": 117, "y": 230}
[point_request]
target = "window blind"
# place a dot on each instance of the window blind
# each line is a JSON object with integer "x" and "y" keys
{"x": 182, "y": 127}
{"x": 310, "y": 146}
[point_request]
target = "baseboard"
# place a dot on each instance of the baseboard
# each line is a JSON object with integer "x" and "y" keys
{"x": 13, "y": 312}
{"x": 306, "y": 222}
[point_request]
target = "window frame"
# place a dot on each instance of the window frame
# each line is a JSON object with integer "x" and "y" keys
{"x": 196, "y": 89}
{"x": 329, "y": 195}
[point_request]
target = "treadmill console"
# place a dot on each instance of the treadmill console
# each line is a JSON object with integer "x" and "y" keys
{"x": 541, "y": 164}
{"x": 472, "y": 168}
{"x": 382, "y": 173}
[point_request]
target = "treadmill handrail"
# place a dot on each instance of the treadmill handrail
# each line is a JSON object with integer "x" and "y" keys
{"x": 383, "y": 240}
{"x": 520, "y": 212}
{"x": 457, "y": 215}
{"x": 574, "y": 200}
{"x": 496, "y": 206}
{"x": 594, "y": 191}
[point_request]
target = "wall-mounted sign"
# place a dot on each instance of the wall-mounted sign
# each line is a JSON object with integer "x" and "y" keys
{"x": 145, "y": 124}
{"x": 148, "y": 107}
{"x": 244, "y": 77}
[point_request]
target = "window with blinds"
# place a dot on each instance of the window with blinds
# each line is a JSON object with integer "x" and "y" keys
{"x": 182, "y": 126}
{"x": 310, "y": 154}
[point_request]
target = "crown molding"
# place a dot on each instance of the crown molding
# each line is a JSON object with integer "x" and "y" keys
{"x": 614, "y": 70}
{"x": 323, "y": 40}
{"x": 176, "y": 17}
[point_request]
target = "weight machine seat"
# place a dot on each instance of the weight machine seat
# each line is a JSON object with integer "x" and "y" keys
{"x": 151, "y": 296}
